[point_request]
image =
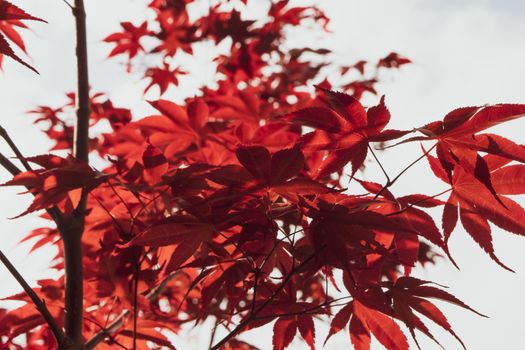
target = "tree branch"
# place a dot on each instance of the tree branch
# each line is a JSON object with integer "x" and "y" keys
{"x": 7, "y": 138}
{"x": 71, "y": 237}
{"x": 9, "y": 165}
{"x": 72, "y": 227}
{"x": 39, "y": 303}
{"x": 81, "y": 143}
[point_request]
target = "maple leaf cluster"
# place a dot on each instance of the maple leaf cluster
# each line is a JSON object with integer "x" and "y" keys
{"x": 231, "y": 205}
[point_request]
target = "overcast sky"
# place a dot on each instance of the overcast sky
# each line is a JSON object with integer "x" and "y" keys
{"x": 464, "y": 52}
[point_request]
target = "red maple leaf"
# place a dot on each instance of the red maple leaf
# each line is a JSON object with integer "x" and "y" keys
{"x": 10, "y": 18}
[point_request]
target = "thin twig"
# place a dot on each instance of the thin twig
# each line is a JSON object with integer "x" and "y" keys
{"x": 7, "y": 138}
{"x": 413, "y": 163}
{"x": 115, "y": 221}
{"x": 380, "y": 165}
{"x": 391, "y": 182}
{"x": 306, "y": 311}
{"x": 121, "y": 199}
{"x": 253, "y": 315}
{"x": 119, "y": 321}
{"x": 39, "y": 303}
{"x": 254, "y": 297}
{"x": 68, "y": 4}
{"x": 213, "y": 332}
{"x": 418, "y": 202}
{"x": 135, "y": 301}
{"x": 110, "y": 336}
{"x": 106, "y": 332}
{"x": 9, "y": 166}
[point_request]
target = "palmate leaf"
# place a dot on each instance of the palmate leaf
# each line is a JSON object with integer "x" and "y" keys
{"x": 5, "y": 49}
{"x": 181, "y": 236}
{"x": 11, "y": 15}
{"x": 364, "y": 321}
{"x": 9, "y": 12}
{"x": 472, "y": 202}
{"x": 285, "y": 329}
{"x": 410, "y": 294}
{"x": 458, "y": 139}
{"x": 60, "y": 179}
{"x": 345, "y": 128}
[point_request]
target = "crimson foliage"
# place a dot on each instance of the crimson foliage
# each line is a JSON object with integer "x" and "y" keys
{"x": 232, "y": 206}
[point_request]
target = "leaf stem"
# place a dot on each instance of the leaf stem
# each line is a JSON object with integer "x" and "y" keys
{"x": 380, "y": 165}
{"x": 306, "y": 311}
{"x": 419, "y": 201}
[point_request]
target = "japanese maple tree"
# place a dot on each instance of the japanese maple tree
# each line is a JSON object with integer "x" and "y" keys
{"x": 235, "y": 205}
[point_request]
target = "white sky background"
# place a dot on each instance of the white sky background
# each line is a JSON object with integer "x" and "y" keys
{"x": 464, "y": 52}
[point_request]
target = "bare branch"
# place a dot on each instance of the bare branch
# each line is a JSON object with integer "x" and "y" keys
{"x": 7, "y": 138}
{"x": 68, "y": 4}
{"x": 8, "y": 165}
{"x": 39, "y": 303}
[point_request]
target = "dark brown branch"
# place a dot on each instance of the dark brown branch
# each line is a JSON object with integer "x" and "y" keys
{"x": 7, "y": 138}
{"x": 72, "y": 227}
{"x": 81, "y": 143}
{"x": 39, "y": 303}
{"x": 71, "y": 237}
{"x": 8, "y": 165}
